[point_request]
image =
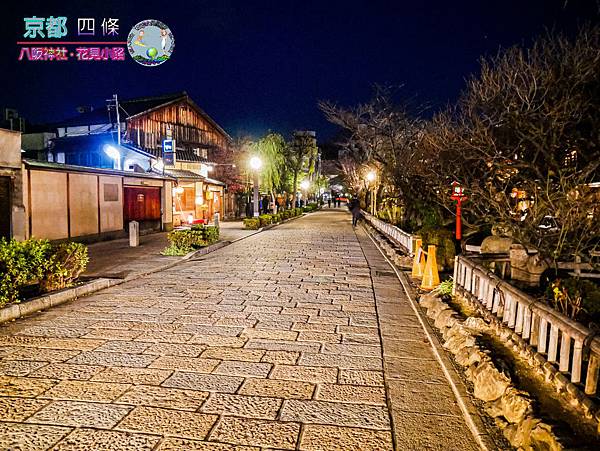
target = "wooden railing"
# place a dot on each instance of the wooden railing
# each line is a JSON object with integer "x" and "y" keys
{"x": 399, "y": 236}
{"x": 560, "y": 339}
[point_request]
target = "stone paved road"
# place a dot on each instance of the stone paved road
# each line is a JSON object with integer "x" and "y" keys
{"x": 271, "y": 343}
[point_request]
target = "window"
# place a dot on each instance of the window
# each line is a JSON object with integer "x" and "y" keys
{"x": 111, "y": 192}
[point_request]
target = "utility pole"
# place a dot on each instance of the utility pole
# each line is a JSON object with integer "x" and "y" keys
{"x": 118, "y": 119}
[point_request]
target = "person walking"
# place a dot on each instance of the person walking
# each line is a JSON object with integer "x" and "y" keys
{"x": 355, "y": 209}
{"x": 329, "y": 202}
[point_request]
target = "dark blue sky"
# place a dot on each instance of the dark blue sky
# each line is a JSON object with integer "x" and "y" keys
{"x": 260, "y": 65}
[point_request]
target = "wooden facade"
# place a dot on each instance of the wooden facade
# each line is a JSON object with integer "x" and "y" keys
{"x": 141, "y": 203}
{"x": 191, "y": 128}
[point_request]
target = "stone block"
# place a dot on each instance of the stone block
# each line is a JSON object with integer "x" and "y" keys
{"x": 277, "y": 388}
{"x": 335, "y": 438}
{"x": 267, "y": 434}
{"x": 166, "y": 421}
{"x": 336, "y": 413}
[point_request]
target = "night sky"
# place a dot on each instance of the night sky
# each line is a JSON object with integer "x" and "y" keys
{"x": 263, "y": 65}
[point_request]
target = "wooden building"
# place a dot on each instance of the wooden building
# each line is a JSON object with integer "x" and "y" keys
{"x": 144, "y": 125}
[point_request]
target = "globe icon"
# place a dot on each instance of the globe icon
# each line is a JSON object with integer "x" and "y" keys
{"x": 151, "y": 53}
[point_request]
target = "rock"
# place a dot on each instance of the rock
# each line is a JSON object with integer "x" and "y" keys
{"x": 428, "y": 300}
{"x": 515, "y": 405}
{"x": 467, "y": 356}
{"x": 494, "y": 409}
{"x": 543, "y": 438}
{"x": 404, "y": 261}
{"x": 443, "y": 318}
{"x": 519, "y": 434}
{"x": 532, "y": 434}
{"x": 458, "y": 341}
{"x": 437, "y": 307}
{"x": 476, "y": 324}
{"x": 526, "y": 267}
{"x": 496, "y": 245}
{"x": 490, "y": 384}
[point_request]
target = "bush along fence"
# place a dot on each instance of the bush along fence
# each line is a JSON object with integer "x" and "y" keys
{"x": 32, "y": 267}
{"x": 268, "y": 219}
{"x": 185, "y": 241}
{"x": 568, "y": 352}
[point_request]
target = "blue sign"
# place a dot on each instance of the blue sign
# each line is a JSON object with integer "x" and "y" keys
{"x": 168, "y": 150}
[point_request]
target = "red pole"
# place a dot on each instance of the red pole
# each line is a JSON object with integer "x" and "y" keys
{"x": 458, "y": 224}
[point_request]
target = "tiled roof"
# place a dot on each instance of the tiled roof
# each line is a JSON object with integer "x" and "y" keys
{"x": 187, "y": 155}
{"x": 184, "y": 174}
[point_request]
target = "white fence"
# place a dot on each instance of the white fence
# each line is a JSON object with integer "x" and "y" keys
{"x": 399, "y": 236}
{"x": 562, "y": 340}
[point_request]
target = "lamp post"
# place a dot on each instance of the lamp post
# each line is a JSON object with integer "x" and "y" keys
{"x": 371, "y": 177}
{"x": 458, "y": 195}
{"x": 255, "y": 164}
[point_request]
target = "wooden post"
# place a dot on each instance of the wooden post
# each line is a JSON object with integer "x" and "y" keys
{"x": 565, "y": 352}
{"x": 543, "y": 336}
{"x": 526, "y": 323}
{"x": 535, "y": 329}
{"x": 553, "y": 346}
{"x": 577, "y": 358}
{"x": 591, "y": 381}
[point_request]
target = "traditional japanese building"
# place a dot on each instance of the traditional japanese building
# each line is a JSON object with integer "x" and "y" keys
{"x": 168, "y": 135}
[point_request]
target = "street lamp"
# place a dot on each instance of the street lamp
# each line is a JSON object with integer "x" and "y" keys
{"x": 371, "y": 177}
{"x": 255, "y": 164}
{"x": 113, "y": 153}
{"x": 304, "y": 185}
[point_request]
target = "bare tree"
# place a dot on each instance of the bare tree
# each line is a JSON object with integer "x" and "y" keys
{"x": 524, "y": 140}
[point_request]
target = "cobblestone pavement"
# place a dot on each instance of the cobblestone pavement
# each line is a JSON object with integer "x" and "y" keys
{"x": 273, "y": 342}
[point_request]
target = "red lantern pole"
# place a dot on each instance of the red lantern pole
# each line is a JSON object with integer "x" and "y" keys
{"x": 458, "y": 196}
{"x": 458, "y": 223}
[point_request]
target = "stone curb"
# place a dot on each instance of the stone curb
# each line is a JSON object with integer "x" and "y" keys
{"x": 50, "y": 300}
{"x": 30, "y": 306}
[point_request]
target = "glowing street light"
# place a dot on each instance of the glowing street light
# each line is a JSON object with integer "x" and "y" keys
{"x": 255, "y": 164}
{"x": 371, "y": 177}
{"x": 113, "y": 153}
{"x": 304, "y": 184}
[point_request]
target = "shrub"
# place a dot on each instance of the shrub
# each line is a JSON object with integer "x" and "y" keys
{"x": 174, "y": 251}
{"x": 265, "y": 220}
{"x": 286, "y": 214}
{"x": 21, "y": 263}
{"x": 251, "y": 223}
{"x": 187, "y": 239}
{"x": 575, "y": 298}
{"x": 444, "y": 243}
{"x": 63, "y": 266}
{"x": 444, "y": 288}
{"x": 298, "y": 211}
{"x": 210, "y": 234}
